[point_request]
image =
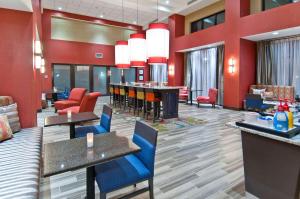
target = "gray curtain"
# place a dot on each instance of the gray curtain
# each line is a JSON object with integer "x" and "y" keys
{"x": 278, "y": 62}
{"x": 264, "y": 65}
{"x": 220, "y": 77}
{"x": 202, "y": 71}
{"x": 159, "y": 72}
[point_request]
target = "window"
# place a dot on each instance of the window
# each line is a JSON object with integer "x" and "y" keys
{"x": 61, "y": 77}
{"x": 269, "y": 4}
{"x": 207, "y": 22}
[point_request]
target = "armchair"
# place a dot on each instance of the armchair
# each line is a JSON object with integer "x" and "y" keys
{"x": 184, "y": 94}
{"x": 87, "y": 105}
{"x": 210, "y": 99}
{"x": 74, "y": 99}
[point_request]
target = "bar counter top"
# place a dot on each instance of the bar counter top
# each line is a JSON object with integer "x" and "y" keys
{"x": 151, "y": 87}
{"x": 294, "y": 140}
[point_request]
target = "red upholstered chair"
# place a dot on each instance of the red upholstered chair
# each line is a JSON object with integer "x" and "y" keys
{"x": 184, "y": 94}
{"x": 211, "y": 99}
{"x": 87, "y": 105}
{"x": 74, "y": 99}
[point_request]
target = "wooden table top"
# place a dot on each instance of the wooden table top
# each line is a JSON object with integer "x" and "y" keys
{"x": 69, "y": 155}
{"x": 76, "y": 118}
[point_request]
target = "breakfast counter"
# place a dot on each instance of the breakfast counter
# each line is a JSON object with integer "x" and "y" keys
{"x": 168, "y": 94}
{"x": 271, "y": 164}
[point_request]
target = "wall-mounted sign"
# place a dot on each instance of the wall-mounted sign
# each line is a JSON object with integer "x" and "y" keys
{"x": 99, "y": 55}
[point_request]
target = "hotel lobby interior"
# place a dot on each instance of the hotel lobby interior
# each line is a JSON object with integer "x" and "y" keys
{"x": 166, "y": 99}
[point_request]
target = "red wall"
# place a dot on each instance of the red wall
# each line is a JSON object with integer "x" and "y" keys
{"x": 68, "y": 52}
{"x": 176, "y": 60}
{"x": 16, "y": 62}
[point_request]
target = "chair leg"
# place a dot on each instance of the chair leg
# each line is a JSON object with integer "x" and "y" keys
{"x": 134, "y": 185}
{"x": 198, "y": 105}
{"x": 102, "y": 195}
{"x": 151, "y": 192}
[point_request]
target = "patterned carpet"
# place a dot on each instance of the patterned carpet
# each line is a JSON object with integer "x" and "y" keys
{"x": 197, "y": 156}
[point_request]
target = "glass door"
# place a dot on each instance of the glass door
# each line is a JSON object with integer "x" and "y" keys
{"x": 130, "y": 75}
{"x": 100, "y": 79}
{"x": 115, "y": 75}
{"x": 82, "y": 77}
{"x": 61, "y": 77}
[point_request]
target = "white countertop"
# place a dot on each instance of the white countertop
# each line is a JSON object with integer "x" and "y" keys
{"x": 294, "y": 140}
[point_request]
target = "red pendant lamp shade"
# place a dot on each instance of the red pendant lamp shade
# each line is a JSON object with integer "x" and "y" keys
{"x": 158, "y": 37}
{"x": 137, "y": 49}
{"x": 122, "y": 55}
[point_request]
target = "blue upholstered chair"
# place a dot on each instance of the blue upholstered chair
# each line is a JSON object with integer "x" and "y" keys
{"x": 131, "y": 169}
{"x": 103, "y": 127}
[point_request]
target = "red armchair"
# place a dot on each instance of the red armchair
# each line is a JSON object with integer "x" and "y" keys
{"x": 87, "y": 105}
{"x": 74, "y": 99}
{"x": 211, "y": 99}
{"x": 184, "y": 94}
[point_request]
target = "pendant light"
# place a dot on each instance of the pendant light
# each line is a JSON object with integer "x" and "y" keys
{"x": 122, "y": 50}
{"x": 157, "y": 40}
{"x": 137, "y": 47}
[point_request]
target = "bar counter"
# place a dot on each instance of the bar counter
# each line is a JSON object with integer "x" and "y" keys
{"x": 271, "y": 164}
{"x": 169, "y": 96}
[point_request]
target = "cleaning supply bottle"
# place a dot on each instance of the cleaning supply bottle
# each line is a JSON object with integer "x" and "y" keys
{"x": 281, "y": 121}
{"x": 291, "y": 116}
{"x": 289, "y": 113}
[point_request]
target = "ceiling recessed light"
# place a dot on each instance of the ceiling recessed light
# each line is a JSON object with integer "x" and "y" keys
{"x": 59, "y": 8}
{"x": 275, "y": 33}
{"x": 167, "y": 2}
{"x": 101, "y": 16}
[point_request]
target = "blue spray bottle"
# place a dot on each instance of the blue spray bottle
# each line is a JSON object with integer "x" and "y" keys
{"x": 281, "y": 121}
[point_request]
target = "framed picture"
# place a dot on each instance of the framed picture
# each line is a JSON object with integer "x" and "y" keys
{"x": 141, "y": 72}
{"x": 141, "y": 78}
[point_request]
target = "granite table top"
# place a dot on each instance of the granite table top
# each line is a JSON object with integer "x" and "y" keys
{"x": 76, "y": 118}
{"x": 69, "y": 155}
{"x": 294, "y": 140}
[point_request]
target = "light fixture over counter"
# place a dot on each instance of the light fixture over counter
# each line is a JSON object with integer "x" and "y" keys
{"x": 122, "y": 60}
{"x": 158, "y": 38}
{"x": 137, "y": 50}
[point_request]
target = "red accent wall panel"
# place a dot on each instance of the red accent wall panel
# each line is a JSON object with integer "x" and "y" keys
{"x": 176, "y": 60}
{"x": 16, "y": 62}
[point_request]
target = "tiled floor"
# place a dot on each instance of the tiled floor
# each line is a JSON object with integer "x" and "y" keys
{"x": 196, "y": 161}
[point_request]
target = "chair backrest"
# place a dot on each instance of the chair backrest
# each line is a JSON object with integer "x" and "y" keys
{"x": 212, "y": 94}
{"x": 146, "y": 138}
{"x": 77, "y": 94}
{"x": 183, "y": 90}
{"x": 106, "y": 117}
{"x": 140, "y": 93}
{"x": 88, "y": 102}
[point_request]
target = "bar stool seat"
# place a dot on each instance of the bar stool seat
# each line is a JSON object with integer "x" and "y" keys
{"x": 154, "y": 102}
{"x": 132, "y": 99}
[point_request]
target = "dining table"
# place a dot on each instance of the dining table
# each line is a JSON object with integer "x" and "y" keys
{"x": 69, "y": 155}
{"x": 76, "y": 118}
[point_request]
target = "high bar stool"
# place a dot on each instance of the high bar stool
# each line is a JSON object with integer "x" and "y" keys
{"x": 122, "y": 97}
{"x": 116, "y": 95}
{"x": 111, "y": 93}
{"x": 152, "y": 102}
{"x": 132, "y": 99}
{"x": 140, "y": 96}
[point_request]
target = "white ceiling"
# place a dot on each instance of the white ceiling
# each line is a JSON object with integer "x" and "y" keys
{"x": 112, "y": 9}
{"x": 23, "y": 5}
{"x": 275, "y": 34}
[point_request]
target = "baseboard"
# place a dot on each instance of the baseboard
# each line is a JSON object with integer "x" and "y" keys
{"x": 233, "y": 108}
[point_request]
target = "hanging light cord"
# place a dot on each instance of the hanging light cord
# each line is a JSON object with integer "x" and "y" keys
{"x": 157, "y": 10}
{"x": 137, "y": 11}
